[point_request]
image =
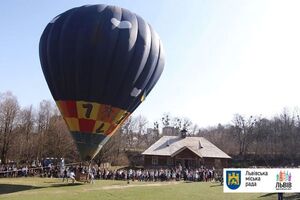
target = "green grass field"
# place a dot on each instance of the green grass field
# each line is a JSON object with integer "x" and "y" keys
{"x": 54, "y": 189}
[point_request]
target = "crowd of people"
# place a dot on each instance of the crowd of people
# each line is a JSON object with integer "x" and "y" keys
{"x": 13, "y": 170}
{"x": 127, "y": 174}
{"x": 162, "y": 174}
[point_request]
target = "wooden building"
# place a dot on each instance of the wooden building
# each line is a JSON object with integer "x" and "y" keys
{"x": 189, "y": 152}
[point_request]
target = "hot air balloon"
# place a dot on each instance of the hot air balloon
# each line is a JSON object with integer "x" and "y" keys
{"x": 100, "y": 62}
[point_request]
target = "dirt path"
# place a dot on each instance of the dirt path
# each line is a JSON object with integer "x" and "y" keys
{"x": 133, "y": 185}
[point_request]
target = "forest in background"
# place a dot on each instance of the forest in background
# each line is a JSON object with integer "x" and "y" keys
{"x": 28, "y": 133}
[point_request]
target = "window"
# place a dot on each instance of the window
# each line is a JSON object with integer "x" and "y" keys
{"x": 169, "y": 161}
{"x": 154, "y": 160}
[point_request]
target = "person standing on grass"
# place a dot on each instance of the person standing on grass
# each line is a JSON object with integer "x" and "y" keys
{"x": 72, "y": 176}
{"x": 91, "y": 176}
{"x": 65, "y": 175}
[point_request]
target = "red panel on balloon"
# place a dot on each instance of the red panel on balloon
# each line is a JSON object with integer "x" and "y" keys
{"x": 69, "y": 108}
{"x": 86, "y": 125}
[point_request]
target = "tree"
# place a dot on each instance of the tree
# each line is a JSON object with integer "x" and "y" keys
{"x": 156, "y": 130}
{"x": 58, "y": 136}
{"x": 262, "y": 137}
{"x": 195, "y": 129}
{"x": 243, "y": 129}
{"x": 25, "y": 134}
{"x": 182, "y": 123}
{"x": 43, "y": 124}
{"x": 177, "y": 123}
{"x": 9, "y": 109}
{"x": 113, "y": 151}
{"x": 166, "y": 120}
{"x": 127, "y": 132}
{"x": 288, "y": 135}
{"x": 187, "y": 124}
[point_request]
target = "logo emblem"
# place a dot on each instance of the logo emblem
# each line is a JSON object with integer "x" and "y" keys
{"x": 283, "y": 180}
{"x": 233, "y": 179}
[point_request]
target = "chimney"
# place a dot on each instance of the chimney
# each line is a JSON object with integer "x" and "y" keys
{"x": 183, "y": 133}
{"x": 200, "y": 146}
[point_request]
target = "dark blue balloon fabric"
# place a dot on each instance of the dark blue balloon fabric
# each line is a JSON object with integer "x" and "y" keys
{"x": 100, "y": 62}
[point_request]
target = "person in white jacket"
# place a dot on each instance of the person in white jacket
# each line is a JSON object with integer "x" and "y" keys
{"x": 72, "y": 176}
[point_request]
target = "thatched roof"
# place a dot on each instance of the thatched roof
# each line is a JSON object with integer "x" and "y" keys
{"x": 172, "y": 145}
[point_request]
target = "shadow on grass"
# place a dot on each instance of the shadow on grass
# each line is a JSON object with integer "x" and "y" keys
{"x": 267, "y": 195}
{"x": 219, "y": 185}
{"x": 285, "y": 196}
{"x": 11, "y": 188}
{"x": 65, "y": 184}
{"x": 49, "y": 182}
{"x": 292, "y": 196}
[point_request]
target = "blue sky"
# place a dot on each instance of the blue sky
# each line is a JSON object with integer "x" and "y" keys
{"x": 222, "y": 56}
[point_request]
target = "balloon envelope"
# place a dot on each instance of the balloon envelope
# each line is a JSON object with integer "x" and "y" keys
{"x": 100, "y": 62}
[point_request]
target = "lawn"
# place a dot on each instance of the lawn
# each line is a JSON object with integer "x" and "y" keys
{"x": 54, "y": 189}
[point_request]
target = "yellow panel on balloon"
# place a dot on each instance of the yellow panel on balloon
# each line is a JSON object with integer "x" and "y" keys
{"x": 120, "y": 116}
{"x": 72, "y": 123}
{"x": 101, "y": 127}
{"x": 87, "y": 110}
